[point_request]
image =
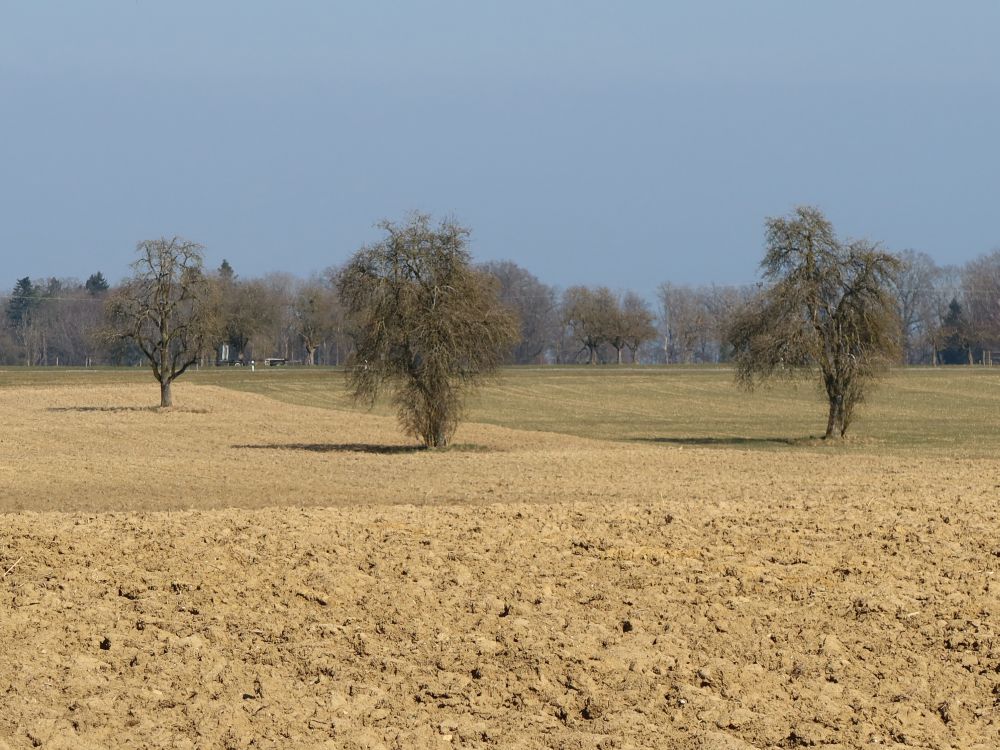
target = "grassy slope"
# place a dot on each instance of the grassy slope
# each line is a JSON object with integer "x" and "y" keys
{"x": 936, "y": 411}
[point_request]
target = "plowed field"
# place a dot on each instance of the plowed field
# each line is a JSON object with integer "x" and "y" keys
{"x": 245, "y": 572}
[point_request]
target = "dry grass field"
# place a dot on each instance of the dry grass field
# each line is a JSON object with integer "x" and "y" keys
{"x": 630, "y": 558}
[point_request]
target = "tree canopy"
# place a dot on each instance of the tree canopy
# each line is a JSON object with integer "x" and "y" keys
{"x": 535, "y": 305}
{"x": 427, "y": 325}
{"x": 826, "y": 305}
{"x": 167, "y": 309}
{"x": 316, "y": 314}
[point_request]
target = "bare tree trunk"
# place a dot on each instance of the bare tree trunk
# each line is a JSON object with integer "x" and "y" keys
{"x": 619, "y": 356}
{"x": 836, "y": 418}
{"x": 310, "y": 355}
{"x": 166, "y": 397}
{"x": 437, "y": 437}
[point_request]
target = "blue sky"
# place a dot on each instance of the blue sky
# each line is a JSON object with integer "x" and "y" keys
{"x": 600, "y": 143}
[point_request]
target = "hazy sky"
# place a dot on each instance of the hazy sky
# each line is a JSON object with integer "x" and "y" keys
{"x": 592, "y": 142}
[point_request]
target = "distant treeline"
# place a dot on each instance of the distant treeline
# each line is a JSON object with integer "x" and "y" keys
{"x": 947, "y": 315}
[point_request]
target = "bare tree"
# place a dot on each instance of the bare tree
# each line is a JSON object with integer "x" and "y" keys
{"x": 914, "y": 289}
{"x": 248, "y": 308}
{"x": 340, "y": 343}
{"x": 628, "y": 325}
{"x": 694, "y": 321}
{"x": 71, "y": 319}
{"x": 534, "y": 303}
{"x": 945, "y": 287}
{"x": 168, "y": 309}
{"x": 615, "y": 329}
{"x": 590, "y": 315}
{"x": 317, "y": 315}
{"x": 722, "y": 303}
{"x": 981, "y": 284}
{"x": 277, "y": 333}
{"x": 428, "y": 325}
{"x": 637, "y": 320}
{"x": 827, "y": 306}
{"x": 685, "y": 321}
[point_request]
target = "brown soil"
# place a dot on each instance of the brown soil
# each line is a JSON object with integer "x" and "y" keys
{"x": 301, "y": 578}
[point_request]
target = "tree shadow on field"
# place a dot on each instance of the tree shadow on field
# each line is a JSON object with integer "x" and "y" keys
{"x": 111, "y": 409}
{"x": 385, "y": 450}
{"x": 733, "y": 441}
{"x": 117, "y": 409}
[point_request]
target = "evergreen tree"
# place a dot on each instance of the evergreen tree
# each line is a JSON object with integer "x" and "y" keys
{"x": 96, "y": 284}
{"x": 23, "y": 301}
{"x": 958, "y": 340}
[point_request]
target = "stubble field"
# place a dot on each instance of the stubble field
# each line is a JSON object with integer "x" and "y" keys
{"x": 610, "y": 559}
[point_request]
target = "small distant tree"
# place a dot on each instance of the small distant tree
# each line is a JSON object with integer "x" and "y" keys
{"x": 96, "y": 284}
{"x": 913, "y": 289}
{"x": 534, "y": 304}
{"x": 685, "y": 321}
{"x": 628, "y": 324}
{"x": 167, "y": 309}
{"x": 959, "y": 336}
{"x": 428, "y": 326}
{"x": 981, "y": 284}
{"x": 23, "y": 300}
{"x": 246, "y": 309}
{"x": 226, "y": 272}
{"x": 615, "y": 331}
{"x": 945, "y": 284}
{"x": 315, "y": 311}
{"x": 826, "y": 306}
{"x": 23, "y": 313}
{"x": 590, "y": 316}
{"x": 637, "y": 323}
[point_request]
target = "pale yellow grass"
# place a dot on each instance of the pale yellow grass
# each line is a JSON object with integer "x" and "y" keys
{"x": 104, "y": 448}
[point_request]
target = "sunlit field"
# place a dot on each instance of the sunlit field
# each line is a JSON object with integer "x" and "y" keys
{"x": 605, "y": 558}
{"x": 934, "y": 410}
